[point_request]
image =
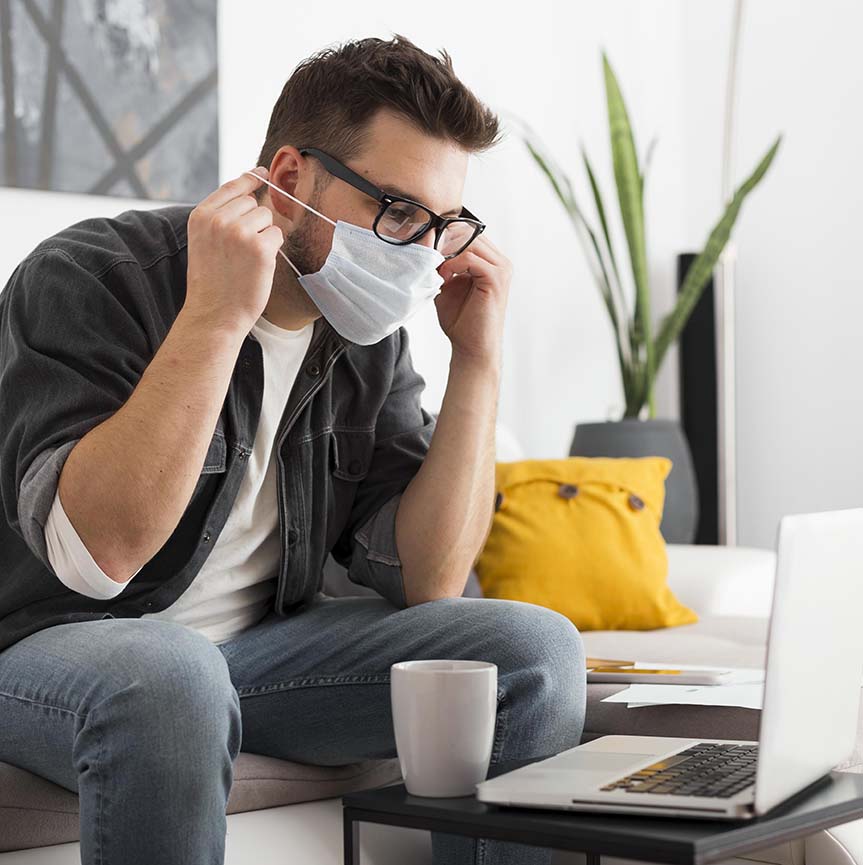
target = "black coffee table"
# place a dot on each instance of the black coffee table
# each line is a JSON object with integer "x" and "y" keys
{"x": 839, "y": 799}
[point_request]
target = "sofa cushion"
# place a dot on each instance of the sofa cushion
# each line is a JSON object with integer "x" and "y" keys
{"x": 580, "y": 535}
{"x": 35, "y": 812}
{"x": 737, "y": 641}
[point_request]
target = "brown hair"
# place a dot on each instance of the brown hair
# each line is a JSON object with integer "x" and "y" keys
{"x": 330, "y": 97}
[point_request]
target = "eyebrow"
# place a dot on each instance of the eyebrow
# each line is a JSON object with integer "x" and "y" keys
{"x": 401, "y": 193}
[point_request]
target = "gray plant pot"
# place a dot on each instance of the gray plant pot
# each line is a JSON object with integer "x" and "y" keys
{"x": 643, "y": 438}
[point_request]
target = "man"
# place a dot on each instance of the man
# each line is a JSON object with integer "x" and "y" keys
{"x": 199, "y": 405}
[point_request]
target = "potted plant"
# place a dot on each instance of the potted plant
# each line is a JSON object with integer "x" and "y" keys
{"x": 640, "y": 351}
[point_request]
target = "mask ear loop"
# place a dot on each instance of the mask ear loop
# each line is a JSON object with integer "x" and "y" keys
{"x": 302, "y": 203}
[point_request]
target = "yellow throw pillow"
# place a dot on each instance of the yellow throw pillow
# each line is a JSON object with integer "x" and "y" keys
{"x": 581, "y": 536}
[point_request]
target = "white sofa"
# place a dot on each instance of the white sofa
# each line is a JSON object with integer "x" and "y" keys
{"x": 730, "y": 589}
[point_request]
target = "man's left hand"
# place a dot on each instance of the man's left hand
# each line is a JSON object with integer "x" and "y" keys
{"x": 472, "y": 300}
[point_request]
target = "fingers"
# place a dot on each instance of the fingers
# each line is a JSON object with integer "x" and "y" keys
{"x": 481, "y": 270}
{"x": 454, "y": 266}
{"x": 483, "y": 247}
{"x": 242, "y": 185}
{"x": 460, "y": 262}
{"x": 258, "y": 219}
{"x": 273, "y": 236}
{"x": 482, "y": 252}
{"x": 241, "y": 214}
{"x": 237, "y": 207}
{"x": 486, "y": 241}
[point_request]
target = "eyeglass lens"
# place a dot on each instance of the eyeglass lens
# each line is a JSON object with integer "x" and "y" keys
{"x": 403, "y": 221}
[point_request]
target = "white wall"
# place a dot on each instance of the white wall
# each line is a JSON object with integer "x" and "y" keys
{"x": 799, "y": 282}
{"x": 798, "y": 287}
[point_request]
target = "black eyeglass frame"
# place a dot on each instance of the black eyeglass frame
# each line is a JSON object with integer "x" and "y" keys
{"x": 438, "y": 223}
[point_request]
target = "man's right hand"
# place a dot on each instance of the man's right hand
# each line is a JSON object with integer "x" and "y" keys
{"x": 232, "y": 255}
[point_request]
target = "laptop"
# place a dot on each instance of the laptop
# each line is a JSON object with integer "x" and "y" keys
{"x": 808, "y": 722}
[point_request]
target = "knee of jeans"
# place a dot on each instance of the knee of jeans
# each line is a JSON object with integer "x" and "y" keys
{"x": 539, "y": 637}
{"x": 168, "y": 669}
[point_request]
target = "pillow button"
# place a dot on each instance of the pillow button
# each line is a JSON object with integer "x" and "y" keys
{"x": 636, "y": 503}
{"x": 567, "y": 491}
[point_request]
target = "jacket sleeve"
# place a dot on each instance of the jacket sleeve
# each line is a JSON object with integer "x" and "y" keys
{"x": 403, "y": 434}
{"x": 71, "y": 353}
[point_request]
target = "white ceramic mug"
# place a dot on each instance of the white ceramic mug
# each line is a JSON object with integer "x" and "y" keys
{"x": 444, "y": 715}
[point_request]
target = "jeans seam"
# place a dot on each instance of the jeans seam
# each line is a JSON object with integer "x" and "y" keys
{"x": 43, "y": 705}
{"x": 36, "y": 810}
{"x": 315, "y": 682}
{"x": 101, "y": 801}
{"x": 497, "y": 747}
{"x": 502, "y": 718}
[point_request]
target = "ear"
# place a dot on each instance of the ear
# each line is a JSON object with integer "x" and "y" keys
{"x": 291, "y": 172}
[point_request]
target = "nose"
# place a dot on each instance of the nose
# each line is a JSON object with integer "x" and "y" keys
{"x": 427, "y": 239}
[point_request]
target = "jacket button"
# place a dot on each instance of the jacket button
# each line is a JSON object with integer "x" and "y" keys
{"x": 498, "y": 501}
{"x": 313, "y": 369}
{"x": 292, "y": 536}
{"x": 246, "y": 362}
{"x": 206, "y": 537}
{"x": 148, "y": 604}
{"x": 355, "y": 467}
{"x": 635, "y": 503}
{"x": 567, "y": 491}
{"x": 242, "y": 455}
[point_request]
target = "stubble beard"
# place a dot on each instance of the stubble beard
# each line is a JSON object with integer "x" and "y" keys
{"x": 300, "y": 246}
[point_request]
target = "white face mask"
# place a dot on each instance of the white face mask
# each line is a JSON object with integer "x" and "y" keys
{"x": 367, "y": 288}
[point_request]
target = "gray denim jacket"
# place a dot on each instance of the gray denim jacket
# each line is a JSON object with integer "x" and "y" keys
{"x": 81, "y": 318}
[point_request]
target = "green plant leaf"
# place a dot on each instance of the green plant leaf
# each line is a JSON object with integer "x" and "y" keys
{"x": 616, "y": 286}
{"x": 629, "y": 194}
{"x": 587, "y": 236}
{"x": 600, "y": 209}
{"x": 620, "y": 320}
{"x": 648, "y": 158}
{"x": 540, "y": 160}
{"x": 700, "y": 269}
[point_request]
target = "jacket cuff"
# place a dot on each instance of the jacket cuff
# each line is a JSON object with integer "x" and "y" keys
{"x": 375, "y": 561}
{"x": 36, "y": 496}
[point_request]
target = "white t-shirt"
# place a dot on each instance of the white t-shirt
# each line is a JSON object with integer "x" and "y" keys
{"x": 235, "y": 587}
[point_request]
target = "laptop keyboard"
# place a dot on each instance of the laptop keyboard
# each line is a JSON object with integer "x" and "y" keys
{"x": 705, "y": 769}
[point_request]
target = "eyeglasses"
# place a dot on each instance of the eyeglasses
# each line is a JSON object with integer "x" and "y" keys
{"x": 401, "y": 220}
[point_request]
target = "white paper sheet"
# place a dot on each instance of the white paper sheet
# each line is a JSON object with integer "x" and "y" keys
{"x": 745, "y": 688}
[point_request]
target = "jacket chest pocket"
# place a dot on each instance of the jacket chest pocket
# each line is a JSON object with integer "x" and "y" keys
{"x": 350, "y": 458}
{"x": 351, "y": 453}
{"x": 217, "y": 451}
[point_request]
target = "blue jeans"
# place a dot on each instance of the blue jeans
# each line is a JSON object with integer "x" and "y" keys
{"x": 144, "y": 718}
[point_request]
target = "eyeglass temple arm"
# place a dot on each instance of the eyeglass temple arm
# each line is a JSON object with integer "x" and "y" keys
{"x": 360, "y": 182}
{"x": 344, "y": 173}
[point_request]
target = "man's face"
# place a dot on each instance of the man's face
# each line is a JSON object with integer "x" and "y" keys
{"x": 398, "y": 158}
